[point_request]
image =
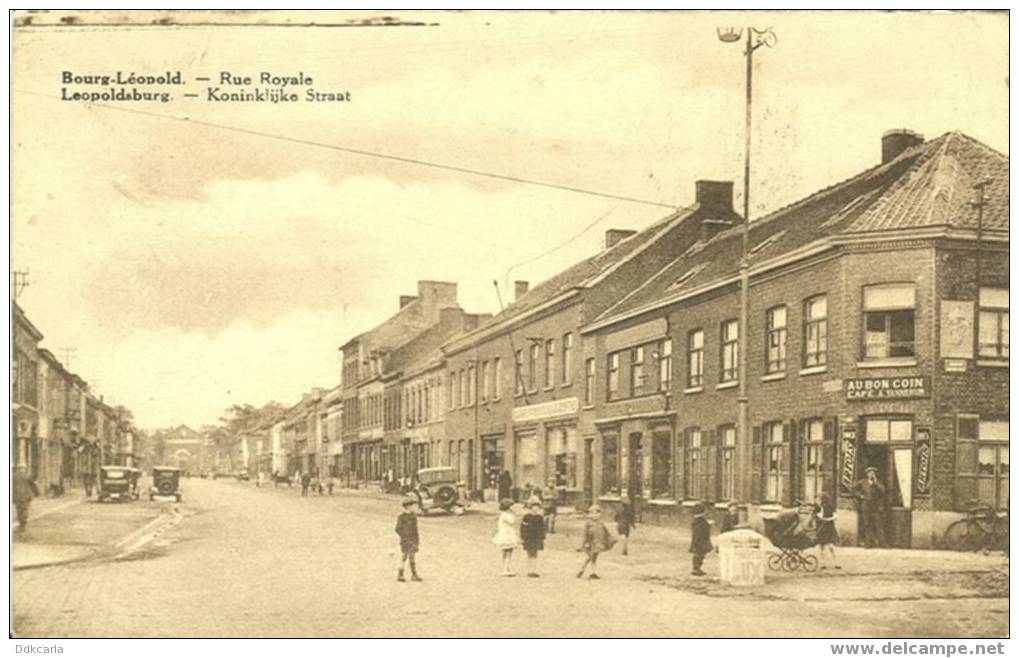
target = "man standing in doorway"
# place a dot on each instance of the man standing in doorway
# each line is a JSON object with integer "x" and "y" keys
{"x": 873, "y": 500}
{"x": 23, "y": 491}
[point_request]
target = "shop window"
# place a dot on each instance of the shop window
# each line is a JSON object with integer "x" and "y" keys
{"x": 589, "y": 382}
{"x": 492, "y": 461}
{"x": 567, "y": 357}
{"x": 562, "y": 452}
{"x": 727, "y": 461}
{"x": 993, "y": 329}
{"x": 613, "y": 375}
{"x": 773, "y": 433}
{"x": 730, "y": 350}
{"x": 815, "y": 331}
{"x": 694, "y": 476}
{"x": 636, "y": 371}
{"x": 549, "y": 363}
{"x": 889, "y": 321}
{"x": 497, "y": 387}
{"x": 527, "y": 449}
{"x": 610, "y": 464}
{"x": 665, "y": 364}
{"x": 813, "y": 459}
{"x": 695, "y": 358}
{"x": 775, "y": 355}
{"x": 661, "y": 466}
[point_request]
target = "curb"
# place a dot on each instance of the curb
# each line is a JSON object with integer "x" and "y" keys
{"x": 119, "y": 549}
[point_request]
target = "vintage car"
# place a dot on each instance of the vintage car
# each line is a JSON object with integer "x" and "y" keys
{"x": 165, "y": 482}
{"x": 116, "y": 483}
{"x": 242, "y": 476}
{"x": 438, "y": 488}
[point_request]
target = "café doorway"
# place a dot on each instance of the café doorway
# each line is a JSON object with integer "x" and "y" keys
{"x": 894, "y": 466}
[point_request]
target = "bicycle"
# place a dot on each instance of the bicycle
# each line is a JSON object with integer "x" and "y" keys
{"x": 983, "y": 529}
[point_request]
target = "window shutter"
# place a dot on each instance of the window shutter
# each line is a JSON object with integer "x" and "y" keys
{"x": 756, "y": 465}
{"x": 681, "y": 484}
{"x": 788, "y": 434}
{"x": 829, "y": 469}
{"x": 710, "y": 466}
{"x": 965, "y": 468}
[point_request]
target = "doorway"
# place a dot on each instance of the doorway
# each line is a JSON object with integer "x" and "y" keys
{"x": 894, "y": 466}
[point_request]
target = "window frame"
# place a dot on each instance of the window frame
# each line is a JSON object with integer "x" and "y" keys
{"x": 612, "y": 377}
{"x": 819, "y": 355}
{"x": 888, "y": 312}
{"x": 637, "y": 357}
{"x": 567, "y": 358}
{"x": 549, "y": 378}
{"x": 590, "y": 373}
{"x": 1000, "y": 314}
{"x": 727, "y": 462}
{"x": 728, "y": 347}
{"x": 776, "y": 334}
{"x": 664, "y": 365}
{"x": 695, "y": 355}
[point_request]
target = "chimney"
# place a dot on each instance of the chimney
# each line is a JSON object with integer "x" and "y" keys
{"x": 437, "y": 294}
{"x": 614, "y": 236}
{"x": 406, "y": 299}
{"x": 520, "y": 289}
{"x": 714, "y": 196}
{"x": 894, "y": 142}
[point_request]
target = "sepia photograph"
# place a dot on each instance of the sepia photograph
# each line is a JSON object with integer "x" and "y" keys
{"x": 510, "y": 324}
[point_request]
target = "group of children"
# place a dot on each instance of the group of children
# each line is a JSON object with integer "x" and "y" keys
{"x": 596, "y": 536}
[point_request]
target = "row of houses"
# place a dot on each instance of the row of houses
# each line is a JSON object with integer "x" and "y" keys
{"x": 61, "y": 430}
{"x": 876, "y": 336}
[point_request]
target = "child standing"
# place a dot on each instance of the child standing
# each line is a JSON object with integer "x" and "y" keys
{"x": 407, "y": 529}
{"x": 700, "y": 538}
{"x": 827, "y": 534}
{"x": 596, "y": 540}
{"x": 625, "y": 521}
{"x": 532, "y": 533}
{"x": 506, "y": 534}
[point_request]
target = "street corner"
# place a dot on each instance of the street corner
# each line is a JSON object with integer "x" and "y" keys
{"x": 90, "y": 530}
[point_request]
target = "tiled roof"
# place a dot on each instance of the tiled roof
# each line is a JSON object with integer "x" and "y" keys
{"x": 422, "y": 348}
{"x": 928, "y": 185}
{"x": 587, "y": 271}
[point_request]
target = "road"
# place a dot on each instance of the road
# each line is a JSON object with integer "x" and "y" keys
{"x": 250, "y": 561}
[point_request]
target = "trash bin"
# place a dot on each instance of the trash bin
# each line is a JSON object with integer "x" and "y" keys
{"x": 741, "y": 560}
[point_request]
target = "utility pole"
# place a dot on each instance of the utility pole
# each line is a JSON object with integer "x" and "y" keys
{"x": 979, "y": 202}
{"x": 20, "y": 282}
{"x": 755, "y": 39}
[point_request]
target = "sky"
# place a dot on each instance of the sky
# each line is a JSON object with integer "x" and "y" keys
{"x": 195, "y": 266}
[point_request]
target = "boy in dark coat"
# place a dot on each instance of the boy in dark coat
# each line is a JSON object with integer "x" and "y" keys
{"x": 700, "y": 538}
{"x": 407, "y": 529}
{"x": 532, "y": 534}
{"x": 625, "y": 520}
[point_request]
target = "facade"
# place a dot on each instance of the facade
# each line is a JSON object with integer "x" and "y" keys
{"x": 364, "y": 368}
{"x": 185, "y": 448}
{"x": 25, "y": 446}
{"x": 878, "y": 337}
{"x": 517, "y": 388}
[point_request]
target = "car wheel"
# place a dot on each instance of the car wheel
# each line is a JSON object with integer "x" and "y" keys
{"x": 445, "y": 497}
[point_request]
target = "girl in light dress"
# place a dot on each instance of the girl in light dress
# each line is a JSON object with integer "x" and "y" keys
{"x": 506, "y": 537}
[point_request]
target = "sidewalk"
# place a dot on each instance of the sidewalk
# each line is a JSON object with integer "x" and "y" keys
{"x": 72, "y": 528}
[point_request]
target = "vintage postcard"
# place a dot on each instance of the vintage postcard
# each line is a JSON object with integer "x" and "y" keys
{"x": 511, "y": 324}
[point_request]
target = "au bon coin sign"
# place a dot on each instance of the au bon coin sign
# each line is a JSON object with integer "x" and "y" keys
{"x": 887, "y": 388}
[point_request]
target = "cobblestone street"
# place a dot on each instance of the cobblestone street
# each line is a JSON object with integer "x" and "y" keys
{"x": 249, "y": 561}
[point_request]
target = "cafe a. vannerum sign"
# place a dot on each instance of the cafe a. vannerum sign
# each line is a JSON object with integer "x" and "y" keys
{"x": 887, "y": 388}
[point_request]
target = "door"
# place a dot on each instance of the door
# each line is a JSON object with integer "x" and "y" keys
{"x": 895, "y": 472}
{"x": 635, "y": 470}
{"x": 589, "y": 470}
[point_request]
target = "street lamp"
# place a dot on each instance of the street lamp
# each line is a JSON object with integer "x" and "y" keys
{"x": 755, "y": 39}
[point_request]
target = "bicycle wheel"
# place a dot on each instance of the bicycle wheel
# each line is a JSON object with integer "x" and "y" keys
{"x": 960, "y": 536}
{"x": 810, "y": 563}
{"x": 775, "y": 561}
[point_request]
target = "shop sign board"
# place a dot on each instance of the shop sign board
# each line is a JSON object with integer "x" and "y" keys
{"x": 923, "y": 461}
{"x": 847, "y": 475}
{"x": 887, "y": 388}
{"x": 546, "y": 410}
